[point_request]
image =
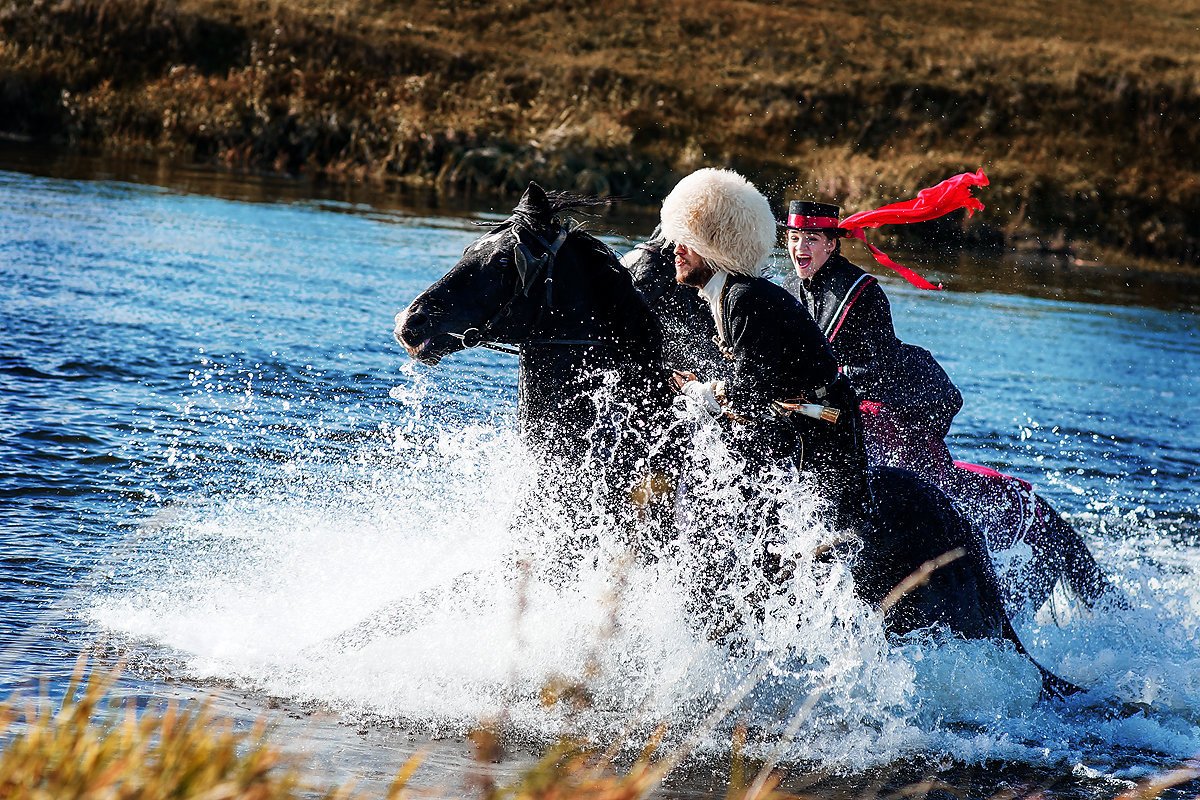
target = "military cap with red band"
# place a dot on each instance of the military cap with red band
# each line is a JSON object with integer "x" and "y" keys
{"x": 805, "y": 215}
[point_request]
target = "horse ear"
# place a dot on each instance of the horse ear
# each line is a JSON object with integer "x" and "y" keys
{"x": 535, "y": 202}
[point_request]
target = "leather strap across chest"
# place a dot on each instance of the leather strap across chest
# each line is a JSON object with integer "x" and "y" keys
{"x": 843, "y": 310}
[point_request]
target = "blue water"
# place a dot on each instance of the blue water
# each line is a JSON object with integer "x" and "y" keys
{"x": 214, "y": 458}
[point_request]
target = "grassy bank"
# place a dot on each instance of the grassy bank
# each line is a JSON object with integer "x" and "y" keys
{"x": 1084, "y": 113}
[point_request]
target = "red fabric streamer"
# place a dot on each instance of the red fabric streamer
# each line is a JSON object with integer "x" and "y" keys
{"x": 949, "y": 195}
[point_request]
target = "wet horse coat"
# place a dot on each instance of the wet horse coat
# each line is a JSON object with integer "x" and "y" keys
{"x": 561, "y": 297}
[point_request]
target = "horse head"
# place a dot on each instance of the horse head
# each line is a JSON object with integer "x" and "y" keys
{"x": 489, "y": 296}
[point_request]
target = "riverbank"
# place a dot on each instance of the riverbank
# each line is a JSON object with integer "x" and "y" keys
{"x": 1083, "y": 115}
{"x": 1020, "y": 270}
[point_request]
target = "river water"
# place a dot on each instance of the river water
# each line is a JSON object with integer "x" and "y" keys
{"x": 216, "y": 460}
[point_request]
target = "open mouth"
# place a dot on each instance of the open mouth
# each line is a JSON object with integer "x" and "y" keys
{"x": 804, "y": 265}
{"x": 424, "y": 338}
{"x": 418, "y": 344}
{"x": 424, "y": 351}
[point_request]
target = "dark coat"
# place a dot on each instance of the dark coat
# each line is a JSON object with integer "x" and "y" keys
{"x": 779, "y": 353}
{"x": 854, "y": 314}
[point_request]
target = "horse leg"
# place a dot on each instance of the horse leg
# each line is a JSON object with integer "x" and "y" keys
{"x": 396, "y": 618}
{"x": 1053, "y": 687}
{"x": 1064, "y": 544}
{"x": 915, "y": 524}
{"x": 724, "y": 532}
{"x": 1002, "y": 508}
{"x": 912, "y": 524}
{"x": 1007, "y": 510}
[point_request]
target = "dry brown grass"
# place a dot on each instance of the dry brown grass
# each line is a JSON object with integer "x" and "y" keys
{"x": 89, "y": 749}
{"x": 1085, "y": 114}
{"x": 81, "y": 752}
{"x": 94, "y": 748}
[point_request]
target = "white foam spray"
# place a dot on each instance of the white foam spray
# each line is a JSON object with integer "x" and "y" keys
{"x": 392, "y": 585}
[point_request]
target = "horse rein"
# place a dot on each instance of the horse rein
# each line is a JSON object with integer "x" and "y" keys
{"x": 477, "y": 337}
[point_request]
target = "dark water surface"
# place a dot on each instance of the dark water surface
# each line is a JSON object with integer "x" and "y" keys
{"x": 214, "y": 458}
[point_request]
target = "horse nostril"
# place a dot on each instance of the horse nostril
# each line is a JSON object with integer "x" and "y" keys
{"x": 409, "y": 323}
{"x": 416, "y": 320}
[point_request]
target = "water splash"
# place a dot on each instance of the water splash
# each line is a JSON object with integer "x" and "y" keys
{"x": 384, "y": 578}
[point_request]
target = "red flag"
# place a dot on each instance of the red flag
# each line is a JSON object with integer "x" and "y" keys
{"x": 949, "y": 195}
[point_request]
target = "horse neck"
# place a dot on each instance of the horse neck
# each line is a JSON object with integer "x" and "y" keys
{"x": 597, "y": 301}
{"x": 559, "y": 384}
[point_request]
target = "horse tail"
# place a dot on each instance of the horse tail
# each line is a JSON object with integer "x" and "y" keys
{"x": 1053, "y": 687}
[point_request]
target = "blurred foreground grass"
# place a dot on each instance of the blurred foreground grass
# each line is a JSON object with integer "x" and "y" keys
{"x": 91, "y": 749}
{"x": 1085, "y": 113}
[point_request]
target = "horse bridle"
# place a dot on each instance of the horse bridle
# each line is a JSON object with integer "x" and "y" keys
{"x": 528, "y": 270}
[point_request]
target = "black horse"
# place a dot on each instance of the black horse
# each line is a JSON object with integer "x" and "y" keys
{"x": 592, "y": 397}
{"x": 1003, "y": 509}
{"x": 563, "y": 300}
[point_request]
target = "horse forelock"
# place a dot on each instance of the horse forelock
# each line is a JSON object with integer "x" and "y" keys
{"x": 570, "y": 201}
{"x": 538, "y": 215}
{"x": 537, "y": 223}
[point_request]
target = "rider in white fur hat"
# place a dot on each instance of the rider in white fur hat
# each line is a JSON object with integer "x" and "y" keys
{"x": 724, "y": 232}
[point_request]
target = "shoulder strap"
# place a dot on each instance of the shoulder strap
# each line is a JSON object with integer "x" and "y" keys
{"x": 721, "y": 318}
{"x": 853, "y": 293}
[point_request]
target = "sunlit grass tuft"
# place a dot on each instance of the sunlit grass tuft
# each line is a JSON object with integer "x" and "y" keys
{"x": 92, "y": 748}
{"x": 89, "y": 750}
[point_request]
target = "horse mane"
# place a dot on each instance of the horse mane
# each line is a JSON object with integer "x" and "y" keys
{"x": 560, "y": 201}
{"x": 533, "y": 214}
{"x": 564, "y": 201}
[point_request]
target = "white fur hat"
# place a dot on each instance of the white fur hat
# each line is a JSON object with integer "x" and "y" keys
{"x": 723, "y": 217}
